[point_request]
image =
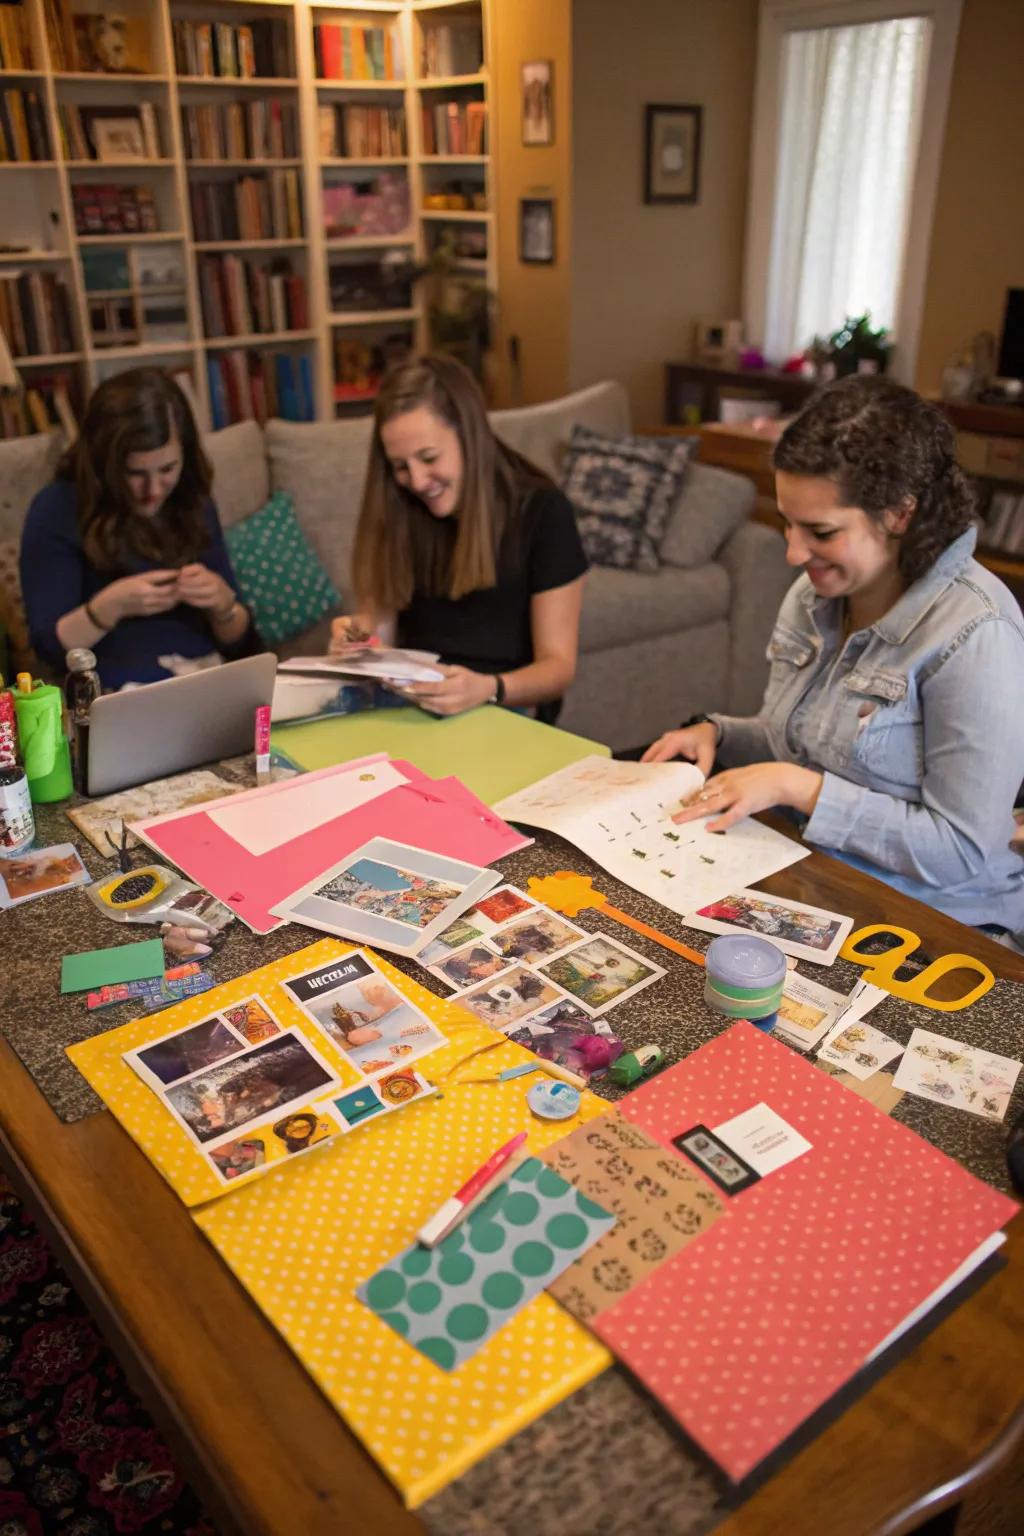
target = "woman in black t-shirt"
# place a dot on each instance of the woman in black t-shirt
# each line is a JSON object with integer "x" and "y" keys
{"x": 463, "y": 548}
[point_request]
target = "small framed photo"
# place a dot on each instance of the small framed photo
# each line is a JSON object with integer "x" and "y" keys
{"x": 537, "y": 231}
{"x": 116, "y": 135}
{"x": 714, "y": 1158}
{"x": 537, "y": 104}
{"x": 672, "y": 154}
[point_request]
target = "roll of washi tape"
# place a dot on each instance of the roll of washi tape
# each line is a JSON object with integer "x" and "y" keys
{"x": 553, "y": 1101}
{"x": 744, "y": 976}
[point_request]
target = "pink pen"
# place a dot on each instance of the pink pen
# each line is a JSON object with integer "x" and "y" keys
{"x": 262, "y": 744}
{"x": 451, "y": 1213}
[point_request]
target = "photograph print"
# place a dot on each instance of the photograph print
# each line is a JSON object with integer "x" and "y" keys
{"x": 513, "y": 995}
{"x": 806, "y": 933}
{"x": 466, "y": 966}
{"x": 269, "y": 1078}
{"x": 186, "y": 1051}
{"x": 600, "y": 972}
{"x": 388, "y": 891}
{"x": 370, "y": 1021}
{"x": 538, "y": 936}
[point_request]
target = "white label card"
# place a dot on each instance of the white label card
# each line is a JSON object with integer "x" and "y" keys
{"x": 762, "y": 1138}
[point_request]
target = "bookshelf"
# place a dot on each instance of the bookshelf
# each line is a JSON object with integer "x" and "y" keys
{"x": 208, "y": 130}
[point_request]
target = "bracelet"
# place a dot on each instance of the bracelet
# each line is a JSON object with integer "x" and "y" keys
{"x": 498, "y": 696}
{"x": 222, "y": 618}
{"x": 96, "y": 623}
{"x": 702, "y": 719}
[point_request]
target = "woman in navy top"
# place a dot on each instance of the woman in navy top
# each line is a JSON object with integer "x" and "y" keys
{"x": 124, "y": 552}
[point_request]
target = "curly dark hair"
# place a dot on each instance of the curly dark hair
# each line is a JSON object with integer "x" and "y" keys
{"x": 882, "y": 445}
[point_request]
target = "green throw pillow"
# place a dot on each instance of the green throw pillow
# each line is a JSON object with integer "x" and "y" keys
{"x": 282, "y": 582}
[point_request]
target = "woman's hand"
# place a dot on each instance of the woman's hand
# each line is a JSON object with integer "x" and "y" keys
{"x": 137, "y": 597}
{"x": 202, "y": 588}
{"x": 742, "y": 792}
{"x": 460, "y": 690}
{"x": 697, "y": 743}
{"x": 349, "y": 637}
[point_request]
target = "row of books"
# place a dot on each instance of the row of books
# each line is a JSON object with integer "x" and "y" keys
{"x": 256, "y": 50}
{"x": 356, "y": 51}
{"x": 235, "y": 130}
{"x": 113, "y": 210}
{"x": 78, "y": 131}
{"x": 455, "y": 128}
{"x": 452, "y": 49}
{"x": 247, "y": 385}
{"x": 35, "y": 314}
{"x": 244, "y": 297}
{"x": 47, "y": 404}
{"x": 1004, "y": 523}
{"x": 266, "y": 207}
{"x": 15, "y": 39}
{"x": 23, "y": 134}
{"x": 349, "y": 132}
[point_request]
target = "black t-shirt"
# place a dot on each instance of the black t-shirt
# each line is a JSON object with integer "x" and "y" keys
{"x": 489, "y": 630}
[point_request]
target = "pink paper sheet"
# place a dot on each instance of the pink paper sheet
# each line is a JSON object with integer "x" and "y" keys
{"x": 441, "y": 816}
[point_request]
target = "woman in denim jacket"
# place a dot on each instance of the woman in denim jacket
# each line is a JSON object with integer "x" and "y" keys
{"x": 893, "y": 719}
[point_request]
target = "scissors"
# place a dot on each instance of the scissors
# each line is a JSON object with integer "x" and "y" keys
{"x": 882, "y": 968}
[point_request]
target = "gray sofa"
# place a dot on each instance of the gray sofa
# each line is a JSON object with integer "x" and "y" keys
{"x": 653, "y": 648}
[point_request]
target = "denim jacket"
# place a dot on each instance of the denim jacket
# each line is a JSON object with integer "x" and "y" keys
{"x": 917, "y": 724}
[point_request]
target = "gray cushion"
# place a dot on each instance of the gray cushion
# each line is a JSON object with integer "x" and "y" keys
{"x": 27, "y": 464}
{"x": 241, "y": 483}
{"x": 709, "y": 508}
{"x": 623, "y": 489}
{"x": 322, "y": 466}
{"x": 623, "y": 606}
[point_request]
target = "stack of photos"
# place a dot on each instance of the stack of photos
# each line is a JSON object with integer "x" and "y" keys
{"x": 807, "y": 933}
{"x": 250, "y": 1093}
{"x": 527, "y": 971}
{"x": 390, "y": 895}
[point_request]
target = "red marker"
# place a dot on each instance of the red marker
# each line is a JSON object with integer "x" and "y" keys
{"x": 454, "y": 1209}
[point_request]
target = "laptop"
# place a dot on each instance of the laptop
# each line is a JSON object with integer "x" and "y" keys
{"x": 146, "y": 733}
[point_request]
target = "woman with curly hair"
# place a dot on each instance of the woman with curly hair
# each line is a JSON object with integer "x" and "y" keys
{"x": 893, "y": 719}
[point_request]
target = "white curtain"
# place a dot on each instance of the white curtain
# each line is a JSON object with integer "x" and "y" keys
{"x": 848, "y": 136}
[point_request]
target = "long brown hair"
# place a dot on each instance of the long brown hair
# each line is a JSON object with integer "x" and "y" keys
{"x": 400, "y": 548}
{"x": 883, "y": 446}
{"x": 137, "y": 412}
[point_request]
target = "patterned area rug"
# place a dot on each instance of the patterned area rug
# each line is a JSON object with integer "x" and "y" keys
{"x": 79, "y": 1456}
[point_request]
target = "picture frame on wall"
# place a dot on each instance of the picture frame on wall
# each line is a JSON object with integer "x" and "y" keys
{"x": 537, "y": 88}
{"x": 672, "y": 142}
{"x": 537, "y": 231}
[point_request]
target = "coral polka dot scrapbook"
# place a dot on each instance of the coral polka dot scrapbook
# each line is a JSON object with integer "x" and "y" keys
{"x": 743, "y": 1232}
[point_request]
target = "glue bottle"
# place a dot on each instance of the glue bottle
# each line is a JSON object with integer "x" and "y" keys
{"x": 17, "y": 825}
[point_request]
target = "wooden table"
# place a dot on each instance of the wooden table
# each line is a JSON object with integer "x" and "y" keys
{"x": 270, "y": 1455}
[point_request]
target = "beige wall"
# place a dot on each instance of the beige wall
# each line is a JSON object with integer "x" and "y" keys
{"x": 641, "y": 276}
{"x": 977, "y": 247}
{"x": 533, "y": 300}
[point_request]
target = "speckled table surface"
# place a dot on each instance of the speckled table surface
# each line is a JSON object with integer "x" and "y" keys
{"x": 653, "y": 1481}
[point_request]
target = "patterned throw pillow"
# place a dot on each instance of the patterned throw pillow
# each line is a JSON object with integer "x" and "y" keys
{"x": 623, "y": 489}
{"x": 282, "y": 582}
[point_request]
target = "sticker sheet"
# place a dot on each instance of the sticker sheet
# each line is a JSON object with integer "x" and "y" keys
{"x": 963, "y": 1076}
{"x": 659, "y": 1202}
{"x": 449, "y": 1300}
{"x": 620, "y": 814}
{"x": 860, "y": 1049}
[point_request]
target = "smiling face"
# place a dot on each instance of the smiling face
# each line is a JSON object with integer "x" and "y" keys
{"x": 425, "y": 456}
{"x": 152, "y": 475}
{"x": 843, "y": 550}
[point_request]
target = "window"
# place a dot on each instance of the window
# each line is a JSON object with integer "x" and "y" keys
{"x": 851, "y": 101}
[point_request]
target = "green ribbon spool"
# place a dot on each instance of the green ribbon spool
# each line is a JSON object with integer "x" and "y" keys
{"x": 44, "y": 747}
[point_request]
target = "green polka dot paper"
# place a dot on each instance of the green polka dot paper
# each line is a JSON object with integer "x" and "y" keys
{"x": 448, "y": 1301}
{"x": 282, "y": 582}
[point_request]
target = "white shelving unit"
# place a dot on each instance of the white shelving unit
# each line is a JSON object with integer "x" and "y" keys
{"x": 38, "y": 195}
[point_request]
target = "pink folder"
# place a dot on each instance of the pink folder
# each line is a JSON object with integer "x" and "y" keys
{"x": 439, "y": 815}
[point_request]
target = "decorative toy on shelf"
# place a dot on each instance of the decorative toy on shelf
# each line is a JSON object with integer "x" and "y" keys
{"x": 882, "y": 969}
{"x": 570, "y": 894}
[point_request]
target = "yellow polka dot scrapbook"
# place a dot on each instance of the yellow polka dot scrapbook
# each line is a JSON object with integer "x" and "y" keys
{"x": 327, "y": 1060}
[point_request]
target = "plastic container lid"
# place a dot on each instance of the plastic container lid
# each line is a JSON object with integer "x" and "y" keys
{"x": 736, "y": 960}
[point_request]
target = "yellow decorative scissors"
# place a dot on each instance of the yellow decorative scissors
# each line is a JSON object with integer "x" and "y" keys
{"x": 882, "y": 969}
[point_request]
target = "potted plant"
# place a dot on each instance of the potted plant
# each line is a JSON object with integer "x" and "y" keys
{"x": 858, "y": 348}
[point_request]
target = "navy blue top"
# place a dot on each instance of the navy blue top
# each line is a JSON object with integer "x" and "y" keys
{"x": 57, "y": 576}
